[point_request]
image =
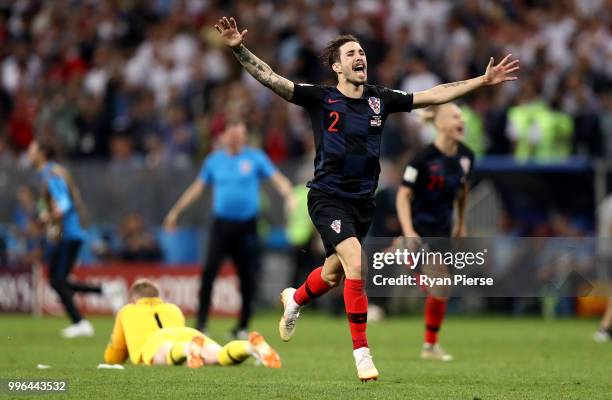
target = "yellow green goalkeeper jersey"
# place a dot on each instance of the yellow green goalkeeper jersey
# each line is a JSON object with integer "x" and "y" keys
{"x": 134, "y": 324}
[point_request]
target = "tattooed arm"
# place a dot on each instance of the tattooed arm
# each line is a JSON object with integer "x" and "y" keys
{"x": 253, "y": 65}
{"x": 263, "y": 73}
{"x": 450, "y": 91}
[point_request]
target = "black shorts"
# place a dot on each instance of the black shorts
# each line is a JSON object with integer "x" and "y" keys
{"x": 435, "y": 238}
{"x": 339, "y": 218}
{"x": 433, "y": 231}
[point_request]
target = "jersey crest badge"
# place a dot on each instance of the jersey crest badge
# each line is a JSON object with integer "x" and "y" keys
{"x": 465, "y": 164}
{"x": 374, "y": 103}
{"x": 336, "y": 225}
{"x": 245, "y": 167}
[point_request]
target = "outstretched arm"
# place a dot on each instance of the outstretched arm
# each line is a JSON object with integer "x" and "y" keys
{"x": 253, "y": 65}
{"x": 444, "y": 93}
{"x": 283, "y": 186}
{"x": 116, "y": 351}
{"x": 190, "y": 195}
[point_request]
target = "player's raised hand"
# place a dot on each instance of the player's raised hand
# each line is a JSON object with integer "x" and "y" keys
{"x": 501, "y": 72}
{"x": 229, "y": 32}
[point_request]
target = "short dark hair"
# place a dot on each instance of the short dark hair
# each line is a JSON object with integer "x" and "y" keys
{"x": 48, "y": 147}
{"x": 331, "y": 52}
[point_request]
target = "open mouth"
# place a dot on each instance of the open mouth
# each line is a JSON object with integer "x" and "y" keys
{"x": 359, "y": 67}
{"x": 460, "y": 130}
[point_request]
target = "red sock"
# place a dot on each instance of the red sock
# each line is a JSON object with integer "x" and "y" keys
{"x": 356, "y": 305}
{"x": 314, "y": 287}
{"x": 434, "y": 314}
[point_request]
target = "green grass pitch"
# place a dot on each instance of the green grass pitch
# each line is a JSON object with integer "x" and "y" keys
{"x": 496, "y": 358}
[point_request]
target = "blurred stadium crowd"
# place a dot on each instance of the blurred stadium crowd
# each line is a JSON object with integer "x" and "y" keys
{"x": 147, "y": 83}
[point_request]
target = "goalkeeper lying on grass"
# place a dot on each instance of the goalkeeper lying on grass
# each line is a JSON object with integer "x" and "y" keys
{"x": 152, "y": 332}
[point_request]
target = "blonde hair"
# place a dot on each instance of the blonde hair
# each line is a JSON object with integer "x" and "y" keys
{"x": 144, "y": 288}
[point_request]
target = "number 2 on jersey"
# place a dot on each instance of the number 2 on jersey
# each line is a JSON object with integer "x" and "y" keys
{"x": 334, "y": 122}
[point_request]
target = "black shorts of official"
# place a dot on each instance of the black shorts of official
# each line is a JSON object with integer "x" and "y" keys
{"x": 339, "y": 218}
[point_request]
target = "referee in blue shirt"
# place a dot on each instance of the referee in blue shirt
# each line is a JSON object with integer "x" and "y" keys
{"x": 235, "y": 173}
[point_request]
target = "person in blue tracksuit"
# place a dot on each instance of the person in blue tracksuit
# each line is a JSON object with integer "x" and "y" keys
{"x": 235, "y": 173}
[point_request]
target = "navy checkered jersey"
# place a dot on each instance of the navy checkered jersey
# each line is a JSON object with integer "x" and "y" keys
{"x": 436, "y": 179}
{"x": 348, "y": 135}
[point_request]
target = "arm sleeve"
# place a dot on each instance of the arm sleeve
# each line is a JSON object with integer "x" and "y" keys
{"x": 411, "y": 173}
{"x": 265, "y": 168}
{"x": 396, "y": 100}
{"x": 116, "y": 351}
{"x": 206, "y": 174}
{"x": 59, "y": 193}
{"x": 307, "y": 95}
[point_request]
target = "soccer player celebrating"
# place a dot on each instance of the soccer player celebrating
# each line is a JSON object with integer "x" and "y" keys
{"x": 347, "y": 120}
{"x": 235, "y": 173}
{"x": 434, "y": 184}
{"x": 61, "y": 217}
{"x": 152, "y": 332}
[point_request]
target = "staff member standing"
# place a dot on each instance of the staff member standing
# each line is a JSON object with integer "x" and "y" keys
{"x": 235, "y": 172}
{"x": 61, "y": 207}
